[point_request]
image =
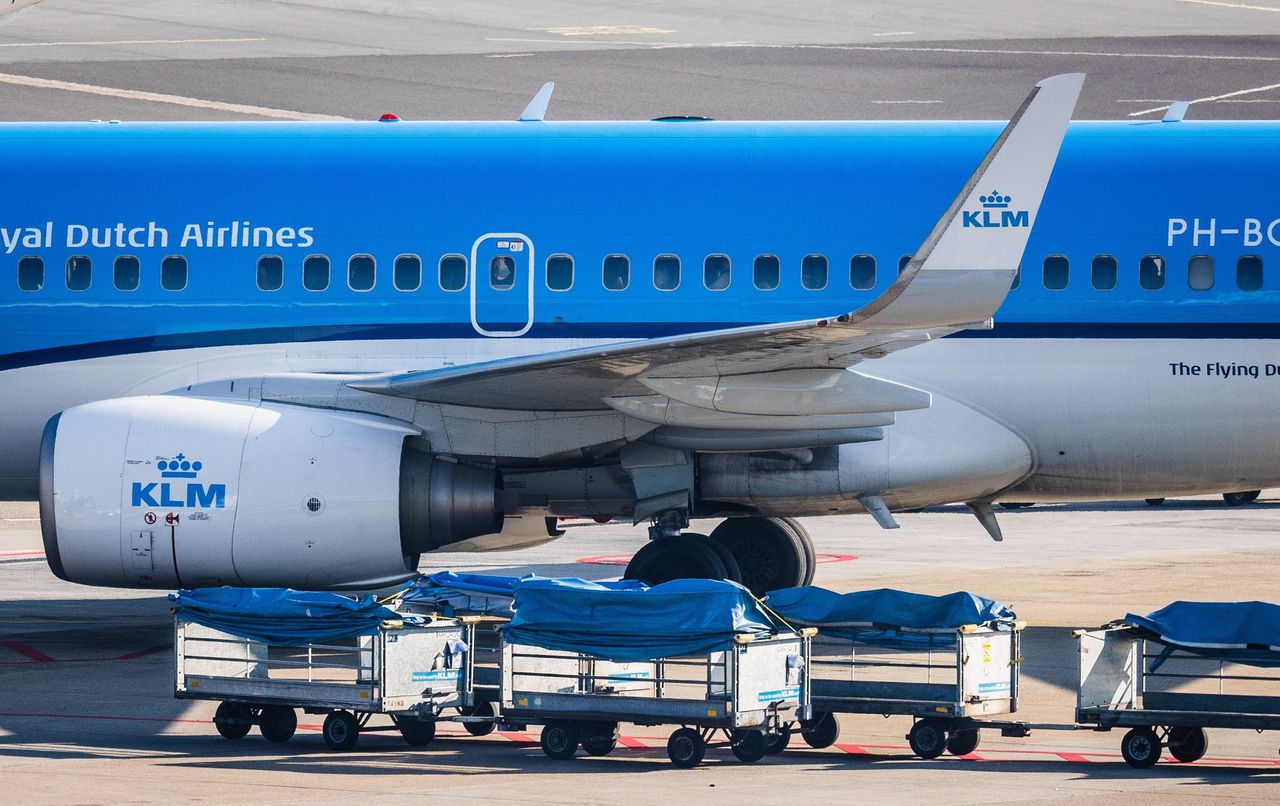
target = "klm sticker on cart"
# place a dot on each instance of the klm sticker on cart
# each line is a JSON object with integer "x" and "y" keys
{"x": 437, "y": 674}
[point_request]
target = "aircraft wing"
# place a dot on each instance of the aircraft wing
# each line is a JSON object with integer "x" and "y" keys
{"x": 958, "y": 279}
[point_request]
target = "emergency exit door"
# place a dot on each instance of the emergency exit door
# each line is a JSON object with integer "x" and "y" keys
{"x": 502, "y": 284}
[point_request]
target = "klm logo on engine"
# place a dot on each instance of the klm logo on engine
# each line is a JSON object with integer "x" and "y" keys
{"x": 995, "y": 212}
{"x": 182, "y": 491}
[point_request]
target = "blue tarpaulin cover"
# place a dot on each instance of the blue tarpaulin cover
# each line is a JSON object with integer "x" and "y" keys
{"x": 282, "y": 615}
{"x": 451, "y": 592}
{"x": 887, "y": 617}
{"x": 1245, "y": 632}
{"x": 681, "y": 617}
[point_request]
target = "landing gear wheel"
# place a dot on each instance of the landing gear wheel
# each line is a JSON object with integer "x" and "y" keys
{"x": 770, "y": 554}
{"x": 963, "y": 742}
{"x": 732, "y": 571}
{"x": 748, "y": 745}
{"x": 232, "y": 720}
{"x": 340, "y": 730}
{"x": 775, "y": 743}
{"x": 484, "y": 708}
{"x": 1015, "y": 504}
{"x": 1140, "y": 748}
{"x": 277, "y": 723}
{"x": 601, "y": 739}
{"x": 810, "y": 556}
{"x": 821, "y": 731}
{"x": 559, "y": 740}
{"x": 1154, "y": 502}
{"x": 1241, "y": 498}
{"x": 686, "y": 748}
{"x": 1188, "y": 744}
{"x": 416, "y": 732}
{"x": 686, "y": 556}
{"x": 928, "y": 738}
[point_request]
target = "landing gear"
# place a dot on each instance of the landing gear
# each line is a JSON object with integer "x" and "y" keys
{"x": 1241, "y": 498}
{"x": 685, "y": 556}
{"x": 772, "y": 553}
{"x": 1154, "y": 502}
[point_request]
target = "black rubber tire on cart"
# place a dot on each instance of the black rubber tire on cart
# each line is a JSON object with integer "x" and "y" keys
{"x": 686, "y": 748}
{"x": 748, "y": 745}
{"x": 821, "y": 731}
{"x": 340, "y": 730}
{"x": 1140, "y": 748}
{"x": 599, "y": 738}
{"x": 416, "y": 732}
{"x": 685, "y": 556}
{"x": 232, "y": 720}
{"x": 1188, "y": 744}
{"x": 482, "y": 708}
{"x": 559, "y": 740}
{"x": 928, "y": 738}
{"x": 963, "y": 742}
{"x": 277, "y": 723}
{"x": 775, "y": 743}
{"x": 1154, "y": 502}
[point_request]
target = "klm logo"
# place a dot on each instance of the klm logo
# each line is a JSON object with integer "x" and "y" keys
{"x": 182, "y": 493}
{"x": 995, "y": 212}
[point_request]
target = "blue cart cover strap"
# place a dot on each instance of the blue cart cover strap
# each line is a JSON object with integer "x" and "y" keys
{"x": 281, "y": 615}
{"x": 681, "y": 617}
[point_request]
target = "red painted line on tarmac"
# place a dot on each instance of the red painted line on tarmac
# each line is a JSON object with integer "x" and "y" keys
{"x": 141, "y": 653}
{"x": 518, "y": 738}
{"x": 21, "y": 553}
{"x": 632, "y": 742}
{"x": 31, "y": 652}
{"x": 852, "y": 749}
{"x": 1078, "y": 758}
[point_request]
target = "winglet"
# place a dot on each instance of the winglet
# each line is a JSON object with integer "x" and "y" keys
{"x": 537, "y": 108}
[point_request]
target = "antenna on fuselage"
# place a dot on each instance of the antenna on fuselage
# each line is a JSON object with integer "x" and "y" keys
{"x": 537, "y": 108}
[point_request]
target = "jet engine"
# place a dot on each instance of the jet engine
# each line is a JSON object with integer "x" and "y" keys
{"x": 170, "y": 491}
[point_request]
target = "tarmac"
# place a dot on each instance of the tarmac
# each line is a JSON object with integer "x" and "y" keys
{"x": 86, "y": 674}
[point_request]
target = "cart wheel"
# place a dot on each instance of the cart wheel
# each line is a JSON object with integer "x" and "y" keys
{"x": 485, "y": 708}
{"x": 277, "y": 723}
{"x": 1140, "y": 748}
{"x": 559, "y": 740}
{"x": 232, "y": 720}
{"x": 600, "y": 739}
{"x": 963, "y": 742}
{"x": 775, "y": 743}
{"x": 340, "y": 730}
{"x": 686, "y": 748}
{"x": 748, "y": 745}
{"x": 416, "y": 732}
{"x": 1154, "y": 502}
{"x": 1188, "y": 744}
{"x": 821, "y": 731}
{"x": 928, "y": 738}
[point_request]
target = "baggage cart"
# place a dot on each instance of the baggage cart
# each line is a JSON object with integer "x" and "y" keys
{"x": 951, "y": 691}
{"x": 409, "y": 672}
{"x": 1167, "y": 695}
{"x": 747, "y": 693}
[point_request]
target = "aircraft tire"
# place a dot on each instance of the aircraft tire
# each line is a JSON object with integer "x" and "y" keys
{"x": 685, "y": 556}
{"x": 769, "y": 552}
{"x": 810, "y": 555}
{"x": 1241, "y": 498}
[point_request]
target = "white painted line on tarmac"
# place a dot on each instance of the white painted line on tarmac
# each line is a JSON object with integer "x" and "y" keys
{"x": 161, "y": 98}
{"x": 906, "y": 102}
{"x": 895, "y": 33}
{"x": 1005, "y": 52}
{"x": 1206, "y": 99}
{"x": 104, "y": 42}
{"x": 1230, "y": 5}
{"x": 506, "y": 55}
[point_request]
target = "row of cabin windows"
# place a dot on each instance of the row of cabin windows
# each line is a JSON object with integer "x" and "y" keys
{"x": 616, "y": 272}
{"x": 1152, "y": 271}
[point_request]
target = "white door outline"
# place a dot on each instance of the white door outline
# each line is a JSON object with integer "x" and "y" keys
{"x": 476, "y": 278}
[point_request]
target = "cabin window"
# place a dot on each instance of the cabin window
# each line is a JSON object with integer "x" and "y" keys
{"x": 715, "y": 272}
{"x": 315, "y": 272}
{"x": 1103, "y": 272}
{"x": 765, "y": 272}
{"x": 1249, "y": 273}
{"x": 1200, "y": 272}
{"x": 270, "y": 273}
{"x": 453, "y": 272}
{"x": 1151, "y": 272}
{"x": 617, "y": 272}
{"x": 406, "y": 273}
{"x": 666, "y": 272}
{"x": 502, "y": 272}
{"x": 902, "y": 263}
{"x": 173, "y": 273}
{"x": 559, "y": 272}
{"x": 813, "y": 272}
{"x": 1056, "y": 271}
{"x": 126, "y": 273}
{"x": 31, "y": 274}
{"x": 862, "y": 272}
{"x": 361, "y": 272}
{"x": 79, "y": 273}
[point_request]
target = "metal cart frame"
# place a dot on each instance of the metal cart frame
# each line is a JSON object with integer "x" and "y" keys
{"x": 977, "y": 678}
{"x": 748, "y": 691}
{"x": 409, "y": 672}
{"x": 1122, "y": 674}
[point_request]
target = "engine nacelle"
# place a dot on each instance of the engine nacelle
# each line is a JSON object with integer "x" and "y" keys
{"x": 168, "y": 491}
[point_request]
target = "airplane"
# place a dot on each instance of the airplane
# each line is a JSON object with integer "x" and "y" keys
{"x": 306, "y": 354}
